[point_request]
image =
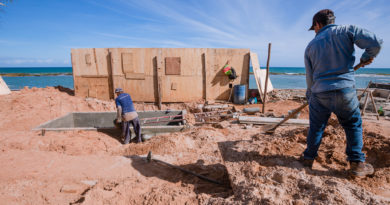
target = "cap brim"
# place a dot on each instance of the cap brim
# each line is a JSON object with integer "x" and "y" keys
{"x": 311, "y": 28}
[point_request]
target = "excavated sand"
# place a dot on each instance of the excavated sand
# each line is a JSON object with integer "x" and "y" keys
{"x": 89, "y": 167}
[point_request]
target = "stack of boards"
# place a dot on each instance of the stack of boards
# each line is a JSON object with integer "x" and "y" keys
{"x": 260, "y": 75}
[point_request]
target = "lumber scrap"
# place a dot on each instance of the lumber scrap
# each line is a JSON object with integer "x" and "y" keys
{"x": 268, "y": 120}
{"x": 260, "y": 76}
{"x": 4, "y": 90}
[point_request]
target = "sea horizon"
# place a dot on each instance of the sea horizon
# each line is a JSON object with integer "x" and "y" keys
{"x": 281, "y": 77}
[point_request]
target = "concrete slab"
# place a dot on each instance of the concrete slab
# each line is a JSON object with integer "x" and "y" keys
{"x": 104, "y": 120}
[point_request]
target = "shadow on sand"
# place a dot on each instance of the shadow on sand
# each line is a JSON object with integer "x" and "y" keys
{"x": 217, "y": 172}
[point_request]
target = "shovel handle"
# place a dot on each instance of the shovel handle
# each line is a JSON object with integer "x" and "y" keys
{"x": 301, "y": 107}
{"x": 288, "y": 117}
{"x": 358, "y": 66}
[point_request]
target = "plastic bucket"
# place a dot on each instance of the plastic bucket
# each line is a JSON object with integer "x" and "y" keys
{"x": 239, "y": 94}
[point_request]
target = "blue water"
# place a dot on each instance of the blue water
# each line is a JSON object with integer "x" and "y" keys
{"x": 281, "y": 77}
{"x": 16, "y": 83}
{"x": 36, "y": 70}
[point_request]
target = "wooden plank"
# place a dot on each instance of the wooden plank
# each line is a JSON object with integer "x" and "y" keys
{"x": 135, "y": 76}
{"x": 256, "y": 67}
{"x": 260, "y": 75}
{"x": 267, "y": 120}
{"x": 159, "y": 78}
{"x": 204, "y": 76}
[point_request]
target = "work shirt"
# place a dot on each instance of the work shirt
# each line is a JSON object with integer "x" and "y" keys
{"x": 329, "y": 57}
{"x": 124, "y": 100}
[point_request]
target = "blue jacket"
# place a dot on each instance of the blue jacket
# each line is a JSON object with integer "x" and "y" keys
{"x": 329, "y": 57}
{"x": 124, "y": 100}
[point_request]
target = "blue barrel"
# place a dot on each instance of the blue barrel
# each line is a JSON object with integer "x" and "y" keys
{"x": 239, "y": 94}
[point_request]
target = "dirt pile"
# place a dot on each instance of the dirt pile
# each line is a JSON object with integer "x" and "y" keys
{"x": 89, "y": 167}
{"x": 266, "y": 169}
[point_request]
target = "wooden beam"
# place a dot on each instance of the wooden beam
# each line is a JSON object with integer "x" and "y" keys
{"x": 268, "y": 120}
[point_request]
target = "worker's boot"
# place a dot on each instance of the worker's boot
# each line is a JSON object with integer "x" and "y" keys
{"x": 306, "y": 162}
{"x": 361, "y": 169}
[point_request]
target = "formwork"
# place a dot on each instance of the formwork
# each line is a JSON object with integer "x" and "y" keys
{"x": 152, "y": 122}
{"x": 158, "y": 74}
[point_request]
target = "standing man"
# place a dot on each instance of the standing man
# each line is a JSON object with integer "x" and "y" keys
{"x": 127, "y": 115}
{"x": 329, "y": 60}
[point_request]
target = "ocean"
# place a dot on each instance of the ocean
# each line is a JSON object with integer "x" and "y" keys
{"x": 281, "y": 77}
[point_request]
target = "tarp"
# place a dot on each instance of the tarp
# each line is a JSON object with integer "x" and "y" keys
{"x": 4, "y": 90}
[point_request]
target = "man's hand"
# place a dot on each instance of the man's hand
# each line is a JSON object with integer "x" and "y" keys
{"x": 368, "y": 62}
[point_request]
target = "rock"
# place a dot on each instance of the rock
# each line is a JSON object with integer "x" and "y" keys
{"x": 70, "y": 189}
{"x": 222, "y": 125}
{"x": 89, "y": 182}
{"x": 248, "y": 126}
{"x": 299, "y": 202}
{"x": 279, "y": 177}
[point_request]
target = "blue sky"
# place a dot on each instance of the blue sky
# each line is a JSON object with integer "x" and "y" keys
{"x": 41, "y": 33}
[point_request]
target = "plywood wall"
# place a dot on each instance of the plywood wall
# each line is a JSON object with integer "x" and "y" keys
{"x": 180, "y": 74}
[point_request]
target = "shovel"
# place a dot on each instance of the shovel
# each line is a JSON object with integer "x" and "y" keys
{"x": 296, "y": 111}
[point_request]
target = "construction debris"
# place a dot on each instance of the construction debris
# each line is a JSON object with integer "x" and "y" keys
{"x": 4, "y": 90}
{"x": 268, "y": 120}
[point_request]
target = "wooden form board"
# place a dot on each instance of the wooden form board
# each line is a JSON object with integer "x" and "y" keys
{"x": 260, "y": 75}
{"x": 4, "y": 90}
{"x": 268, "y": 120}
{"x": 196, "y": 73}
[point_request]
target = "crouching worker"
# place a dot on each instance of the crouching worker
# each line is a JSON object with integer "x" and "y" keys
{"x": 127, "y": 115}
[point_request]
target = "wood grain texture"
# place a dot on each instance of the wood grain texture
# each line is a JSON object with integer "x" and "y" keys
{"x": 142, "y": 72}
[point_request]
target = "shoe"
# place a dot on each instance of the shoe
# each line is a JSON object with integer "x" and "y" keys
{"x": 306, "y": 162}
{"x": 361, "y": 169}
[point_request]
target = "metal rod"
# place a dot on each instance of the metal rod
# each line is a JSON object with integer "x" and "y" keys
{"x": 266, "y": 77}
{"x": 149, "y": 158}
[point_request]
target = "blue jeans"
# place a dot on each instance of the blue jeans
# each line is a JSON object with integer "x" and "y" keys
{"x": 126, "y": 130}
{"x": 345, "y": 105}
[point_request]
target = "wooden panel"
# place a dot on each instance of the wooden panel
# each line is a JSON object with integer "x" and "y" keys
{"x": 186, "y": 89}
{"x": 140, "y": 90}
{"x": 200, "y": 72}
{"x": 172, "y": 66}
{"x": 260, "y": 75}
{"x": 218, "y": 82}
{"x": 102, "y": 61}
{"x": 127, "y": 63}
{"x": 83, "y": 62}
{"x": 92, "y": 87}
{"x": 189, "y": 84}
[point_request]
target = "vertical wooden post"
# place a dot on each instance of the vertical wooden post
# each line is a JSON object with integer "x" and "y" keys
{"x": 266, "y": 77}
{"x": 204, "y": 70}
{"x": 110, "y": 72}
{"x": 159, "y": 78}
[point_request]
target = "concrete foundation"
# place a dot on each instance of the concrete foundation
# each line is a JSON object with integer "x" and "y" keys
{"x": 104, "y": 120}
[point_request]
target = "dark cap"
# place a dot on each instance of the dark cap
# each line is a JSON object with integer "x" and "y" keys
{"x": 119, "y": 90}
{"x": 325, "y": 17}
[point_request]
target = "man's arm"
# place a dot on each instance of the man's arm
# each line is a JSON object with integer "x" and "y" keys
{"x": 309, "y": 74}
{"x": 119, "y": 114}
{"x": 368, "y": 41}
{"x": 118, "y": 111}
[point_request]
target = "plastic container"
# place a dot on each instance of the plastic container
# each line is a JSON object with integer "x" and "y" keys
{"x": 239, "y": 94}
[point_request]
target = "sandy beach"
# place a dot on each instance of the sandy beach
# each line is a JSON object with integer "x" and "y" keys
{"x": 90, "y": 167}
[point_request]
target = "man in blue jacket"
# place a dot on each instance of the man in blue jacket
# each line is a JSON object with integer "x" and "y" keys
{"x": 127, "y": 115}
{"x": 329, "y": 60}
